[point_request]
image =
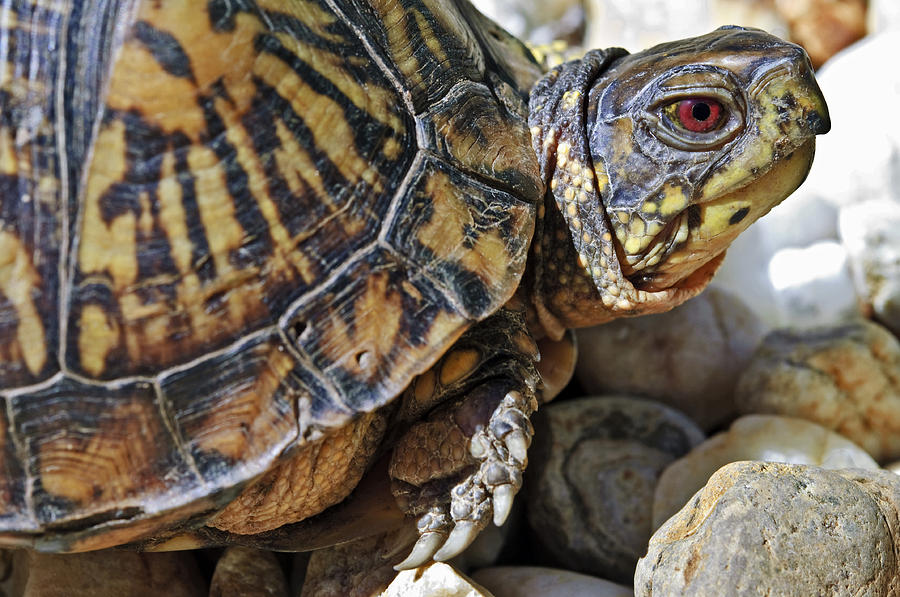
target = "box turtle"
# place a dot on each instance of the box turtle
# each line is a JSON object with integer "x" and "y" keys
{"x": 254, "y": 250}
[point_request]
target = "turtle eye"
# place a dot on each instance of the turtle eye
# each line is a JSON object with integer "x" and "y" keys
{"x": 698, "y": 115}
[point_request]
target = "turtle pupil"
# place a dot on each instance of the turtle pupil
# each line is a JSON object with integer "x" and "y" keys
{"x": 700, "y": 111}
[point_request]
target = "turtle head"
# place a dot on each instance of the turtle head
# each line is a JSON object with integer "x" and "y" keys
{"x": 656, "y": 161}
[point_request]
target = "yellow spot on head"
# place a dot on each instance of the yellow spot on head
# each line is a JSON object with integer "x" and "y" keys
{"x": 632, "y": 245}
{"x": 649, "y": 207}
{"x": 572, "y": 210}
{"x": 673, "y": 200}
{"x": 637, "y": 227}
{"x": 569, "y": 194}
{"x": 570, "y": 99}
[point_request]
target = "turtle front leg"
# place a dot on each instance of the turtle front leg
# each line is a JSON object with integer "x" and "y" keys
{"x": 459, "y": 467}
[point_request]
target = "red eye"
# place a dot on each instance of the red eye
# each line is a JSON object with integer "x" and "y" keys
{"x": 699, "y": 115}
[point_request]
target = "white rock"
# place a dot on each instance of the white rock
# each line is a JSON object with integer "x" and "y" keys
{"x": 813, "y": 285}
{"x": 858, "y": 159}
{"x": 535, "y": 581}
{"x": 769, "y": 438}
{"x": 434, "y": 580}
{"x": 871, "y": 232}
{"x": 883, "y": 15}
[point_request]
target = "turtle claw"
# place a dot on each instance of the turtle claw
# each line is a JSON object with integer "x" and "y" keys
{"x": 462, "y": 535}
{"x": 423, "y": 551}
{"x": 517, "y": 444}
{"x": 503, "y": 502}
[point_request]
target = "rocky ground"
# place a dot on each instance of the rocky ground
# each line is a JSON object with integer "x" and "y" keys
{"x": 743, "y": 444}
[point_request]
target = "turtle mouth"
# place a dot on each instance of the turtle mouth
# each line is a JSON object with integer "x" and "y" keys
{"x": 702, "y": 232}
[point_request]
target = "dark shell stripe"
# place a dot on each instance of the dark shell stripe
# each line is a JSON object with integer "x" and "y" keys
{"x": 279, "y": 223}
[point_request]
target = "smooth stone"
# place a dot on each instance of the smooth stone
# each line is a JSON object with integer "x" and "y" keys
{"x": 855, "y": 162}
{"x": 248, "y": 572}
{"x": 871, "y": 232}
{"x": 589, "y": 485}
{"x": 813, "y": 285}
{"x": 688, "y": 358}
{"x": 845, "y": 378}
{"x": 754, "y": 437}
{"x": 108, "y": 573}
{"x": 537, "y": 581}
{"x": 779, "y": 529}
{"x": 360, "y": 568}
{"x": 434, "y": 580}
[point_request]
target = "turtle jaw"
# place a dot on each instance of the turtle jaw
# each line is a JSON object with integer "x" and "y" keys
{"x": 703, "y": 231}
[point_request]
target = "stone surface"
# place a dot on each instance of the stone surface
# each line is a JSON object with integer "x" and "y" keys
{"x": 853, "y": 162}
{"x": 589, "y": 485}
{"x": 779, "y": 529}
{"x": 688, "y": 358}
{"x": 754, "y": 437}
{"x": 536, "y": 581}
{"x": 636, "y": 25}
{"x": 361, "y": 568}
{"x": 824, "y": 27}
{"x": 248, "y": 572}
{"x": 434, "y": 580}
{"x": 813, "y": 285}
{"x": 871, "y": 232}
{"x": 845, "y": 378}
{"x": 106, "y": 574}
{"x": 883, "y": 15}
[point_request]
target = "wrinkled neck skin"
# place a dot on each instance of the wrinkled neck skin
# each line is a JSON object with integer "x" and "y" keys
{"x": 562, "y": 294}
{"x": 574, "y": 278}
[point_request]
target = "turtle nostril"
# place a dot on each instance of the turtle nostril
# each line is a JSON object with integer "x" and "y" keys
{"x": 818, "y": 124}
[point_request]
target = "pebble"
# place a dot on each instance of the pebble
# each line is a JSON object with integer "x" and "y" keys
{"x": 857, "y": 163}
{"x": 589, "y": 485}
{"x": 845, "y": 378}
{"x": 779, "y": 529}
{"x": 754, "y": 437}
{"x": 108, "y": 573}
{"x": 249, "y": 573}
{"x": 688, "y": 358}
{"x": 434, "y": 580}
{"x": 536, "y": 581}
{"x": 813, "y": 285}
{"x": 871, "y": 232}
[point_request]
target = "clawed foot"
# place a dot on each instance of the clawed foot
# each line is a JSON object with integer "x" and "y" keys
{"x": 501, "y": 451}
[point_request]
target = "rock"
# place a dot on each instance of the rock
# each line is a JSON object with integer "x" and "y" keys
{"x": 857, "y": 163}
{"x": 688, "y": 358}
{"x": 538, "y": 22}
{"x": 813, "y": 286}
{"x": 779, "y": 529}
{"x": 845, "y": 378}
{"x": 534, "y": 581}
{"x": 248, "y": 572}
{"x": 883, "y": 15}
{"x": 360, "y": 568}
{"x": 433, "y": 580}
{"x": 636, "y": 25}
{"x": 871, "y": 232}
{"x": 109, "y": 573}
{"x": 824, "y": 27}
{"x": 754, "y": 437}
{"x": 589, "y": 485}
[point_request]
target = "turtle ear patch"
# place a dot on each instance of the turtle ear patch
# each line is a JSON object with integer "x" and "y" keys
{"x": 558, "y": 121}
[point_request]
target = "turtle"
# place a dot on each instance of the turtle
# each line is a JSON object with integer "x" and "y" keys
{"x": 261, "y": 258}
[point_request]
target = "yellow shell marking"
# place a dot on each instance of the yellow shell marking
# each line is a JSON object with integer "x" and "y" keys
{"x": 18, "y": 281}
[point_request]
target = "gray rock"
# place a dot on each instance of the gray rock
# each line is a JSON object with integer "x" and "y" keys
{"x": 536, "y": 581}
{"x": 778, "y": 529}
{"x": 589, "y": 485}
{"x": 688, "y": 358}
{"x": 845, "y": 378}
{"x": 871, "y": 232}
{"x": 248, "y": 572}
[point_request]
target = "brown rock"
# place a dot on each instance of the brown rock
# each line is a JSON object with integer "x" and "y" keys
{"x": 248, "y": 572}
{"x": 108, "y": 573}
{"x": 589, "y": 486}
{"x": 778, "y": 529}
{"x": 845, "y": 378}
{"x": 824, "y": 27}
{"x": 361, "y": 568}
{"x": 688, "y": 358}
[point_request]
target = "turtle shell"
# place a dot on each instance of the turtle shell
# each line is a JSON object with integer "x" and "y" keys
{"x": 229, "y": 227}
